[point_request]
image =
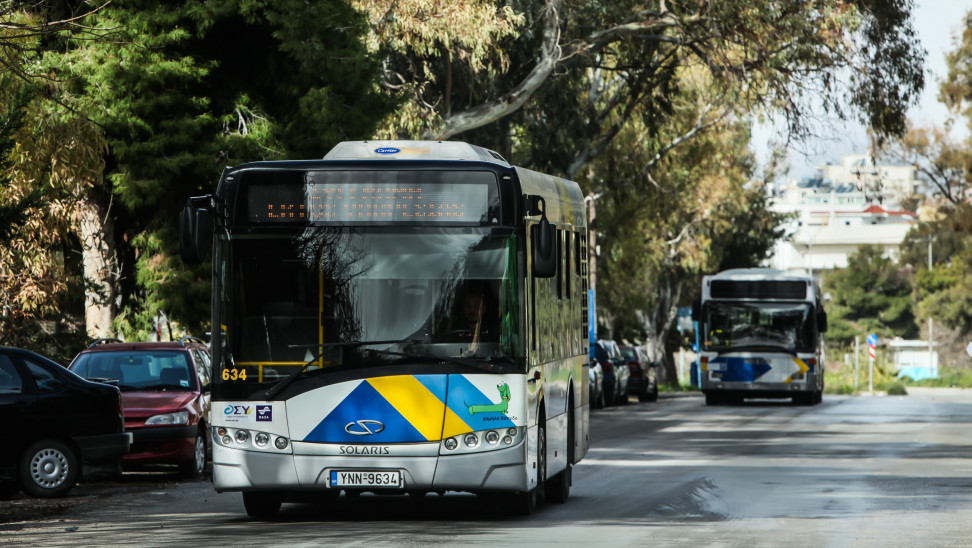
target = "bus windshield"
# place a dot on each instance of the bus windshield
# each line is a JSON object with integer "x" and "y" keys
{"x": 422, "y": 292}
{"x": 741, "y": 325}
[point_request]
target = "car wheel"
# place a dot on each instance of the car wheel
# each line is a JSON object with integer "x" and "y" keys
{"x": 48, "y": 469}
{"x": 195, "y": 467}
{"x": 8, "y": 488}
{"x": 652, "y": 391}
{"x": 609, "y": 392}
{"x": 260, "y": 504}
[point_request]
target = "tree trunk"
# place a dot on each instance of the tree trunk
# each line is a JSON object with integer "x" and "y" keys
{"x": 101, "y": 268}
{"x": 658, "y": 324}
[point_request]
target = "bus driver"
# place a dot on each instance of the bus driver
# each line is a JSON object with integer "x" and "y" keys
{"x": 472, "y": 324}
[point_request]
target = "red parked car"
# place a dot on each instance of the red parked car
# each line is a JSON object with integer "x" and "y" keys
{"x": 165, "y": 388}
{"x": 644, "y": 376}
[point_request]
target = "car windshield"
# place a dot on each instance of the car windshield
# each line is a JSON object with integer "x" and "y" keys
{"x": 368, "y": 296}
{"x": 137, "y": 369}
{"x": 629, "y": 353}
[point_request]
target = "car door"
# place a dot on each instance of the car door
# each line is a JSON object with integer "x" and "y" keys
{"x": 18, "y": 401}
{"x": 56, "y": 411}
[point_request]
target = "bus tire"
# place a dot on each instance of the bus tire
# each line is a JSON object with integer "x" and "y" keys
{"x": 527, "y": 503}
{"x": 261, "y": 504}
{"x": 558, "y": 488}
{"x": 805, "y": 398}
{"x": 713, "y": 399}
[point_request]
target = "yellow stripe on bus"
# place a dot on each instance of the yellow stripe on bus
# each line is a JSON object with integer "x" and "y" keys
{"x": 420, "y": 407}
{"x": 453, "y": 425}
{"x": 803, "y": 369}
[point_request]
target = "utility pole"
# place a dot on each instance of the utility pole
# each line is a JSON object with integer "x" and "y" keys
{"x": 592, "y": 264}
{"x": 931, "y": 336}
{"x": 592, "y": 240}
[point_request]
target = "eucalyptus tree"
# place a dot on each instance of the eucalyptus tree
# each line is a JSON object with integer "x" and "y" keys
{"x": 700, "y": 209}
{"x": 588, "y": 65}
{"x": 179, "y": 92}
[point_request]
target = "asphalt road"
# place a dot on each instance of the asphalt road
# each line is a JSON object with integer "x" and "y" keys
{"x": 853, "y": 471}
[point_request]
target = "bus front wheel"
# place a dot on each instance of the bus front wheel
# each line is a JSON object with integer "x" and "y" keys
{"x": 526, "y": 503}
{"x": 558, "y": 488}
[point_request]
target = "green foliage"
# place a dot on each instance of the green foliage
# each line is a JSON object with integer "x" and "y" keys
{"x": 870, "y": 295}
{"x": 13, "y": 213}
{"x": 948, "y": 377}
{"x": 894, "y": 388}
{"x": 648, "y": 104}
{"x": 183, "y": 90}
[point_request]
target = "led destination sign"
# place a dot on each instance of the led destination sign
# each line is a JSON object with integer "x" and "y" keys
{"x": 367, "y": 202}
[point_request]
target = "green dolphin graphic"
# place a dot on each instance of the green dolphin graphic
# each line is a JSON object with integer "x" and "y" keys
{"x": 501, "y": 407}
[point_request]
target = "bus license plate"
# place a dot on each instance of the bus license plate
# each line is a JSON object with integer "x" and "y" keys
{"x": 366, "y": 478}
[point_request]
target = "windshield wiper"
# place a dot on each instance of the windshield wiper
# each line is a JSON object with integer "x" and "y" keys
{"x": 476, "y": 363}
{"x": 324, "y": 348}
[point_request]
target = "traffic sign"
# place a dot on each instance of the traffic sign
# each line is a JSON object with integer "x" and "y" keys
{"x": 872, "y": 339}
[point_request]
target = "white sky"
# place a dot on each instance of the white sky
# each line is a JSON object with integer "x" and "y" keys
{"x": 938, "y": 23}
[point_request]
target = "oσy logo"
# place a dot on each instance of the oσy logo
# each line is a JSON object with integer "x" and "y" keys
{"x": 237, "y": 413}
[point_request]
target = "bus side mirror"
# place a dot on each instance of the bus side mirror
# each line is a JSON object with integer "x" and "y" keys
{"x": 697, "y": 309}
{"x": 821, "y": 322}
{"x": 195, "y": 230}
{"x": 543, "y": 237}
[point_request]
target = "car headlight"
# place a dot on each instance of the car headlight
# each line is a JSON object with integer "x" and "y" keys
{"x": 179, "y": 417}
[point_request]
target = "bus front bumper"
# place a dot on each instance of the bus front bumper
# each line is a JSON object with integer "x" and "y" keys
{"x": 501, "y": 470}
{"x": 760, "y": 389}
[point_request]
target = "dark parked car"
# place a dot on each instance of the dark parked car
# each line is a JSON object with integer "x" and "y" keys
{"x": 644, "y": 374}
{"x": 596, "y": 384}
{"x": 616, "y": 372}
{"x": 165, "y": 389}
{"x": 58, "y": 426}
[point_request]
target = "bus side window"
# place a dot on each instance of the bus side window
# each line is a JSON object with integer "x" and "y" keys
{"x": 560, "y": 264}
{"x": 568, "y": 238}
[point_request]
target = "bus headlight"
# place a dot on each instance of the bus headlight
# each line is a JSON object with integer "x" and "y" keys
{"x": 245, "y": 439}
{"x": 482, "y": 441}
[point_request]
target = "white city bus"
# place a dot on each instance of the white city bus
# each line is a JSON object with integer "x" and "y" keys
{"x": 761, "y": 334}
{"x": 399, "y": 317}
